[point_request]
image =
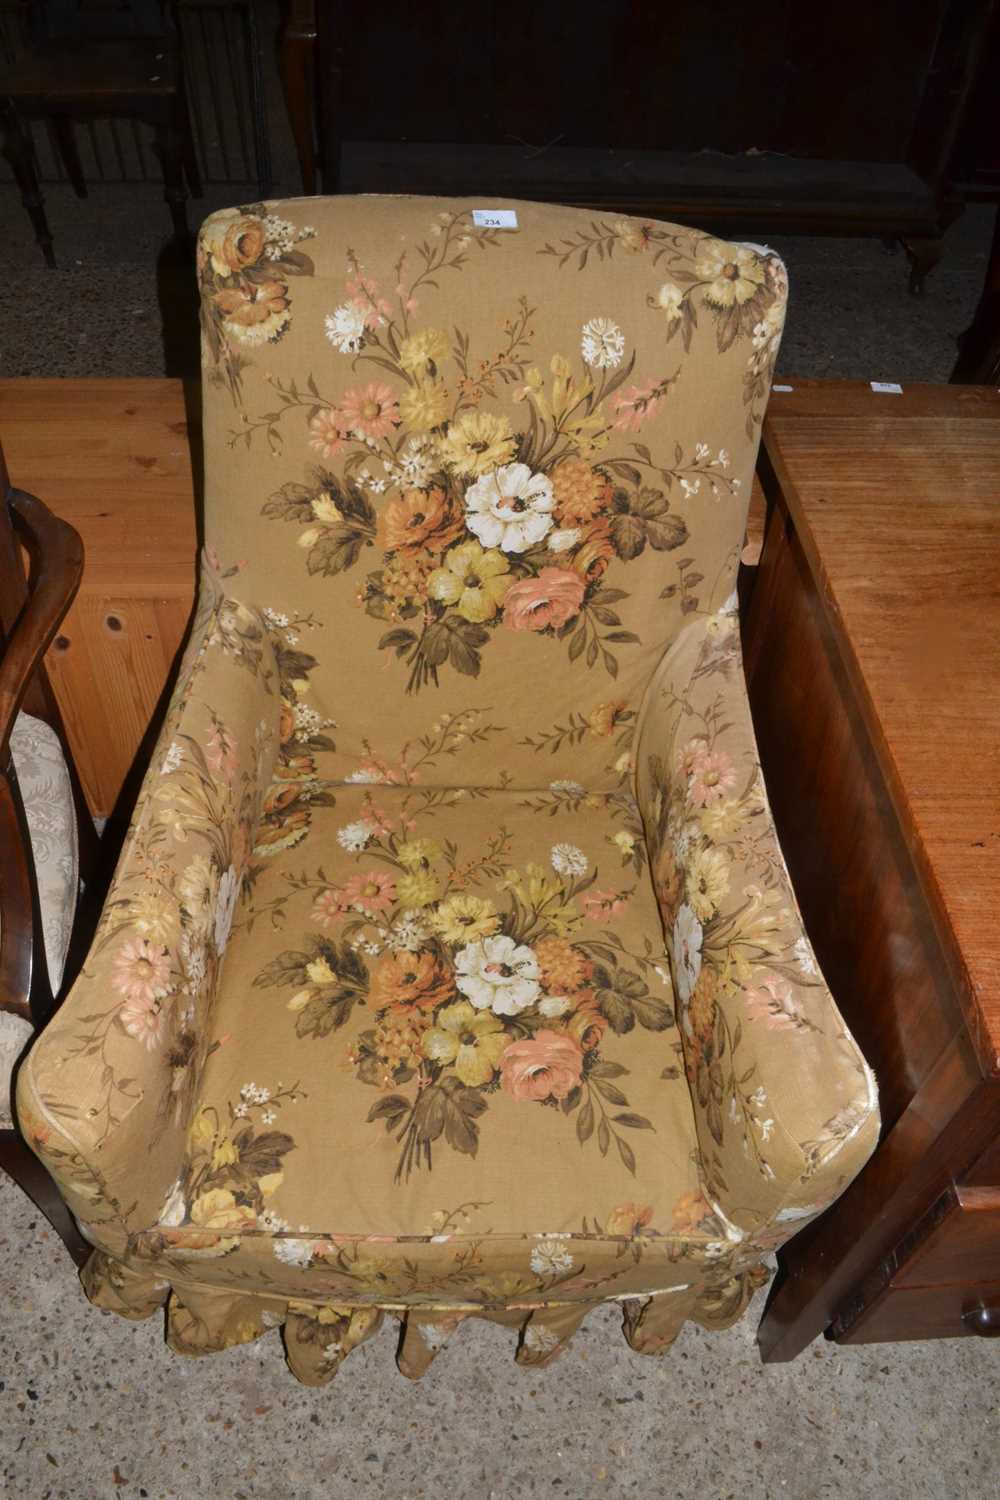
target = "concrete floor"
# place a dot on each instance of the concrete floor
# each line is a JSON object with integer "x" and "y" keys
{"x": 92, "y": 1406}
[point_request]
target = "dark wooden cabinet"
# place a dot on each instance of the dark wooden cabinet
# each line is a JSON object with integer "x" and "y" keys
{"x": 819, "y": 119}
{"x": 872, "y": 646}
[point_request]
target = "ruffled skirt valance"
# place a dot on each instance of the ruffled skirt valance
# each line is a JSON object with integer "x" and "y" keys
{"x": 318, "y": 1336}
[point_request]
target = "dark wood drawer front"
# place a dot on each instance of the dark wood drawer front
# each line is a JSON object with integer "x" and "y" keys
{"x": 941, "y": 1281}
{"x": 927, "y": 1312}
{"x": 958, "y": 1241}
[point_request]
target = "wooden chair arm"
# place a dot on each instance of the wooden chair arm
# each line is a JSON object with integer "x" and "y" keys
{"x": 57, "y": 553}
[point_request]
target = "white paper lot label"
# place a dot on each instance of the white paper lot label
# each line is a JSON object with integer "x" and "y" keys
{"x": 494, "y": 218}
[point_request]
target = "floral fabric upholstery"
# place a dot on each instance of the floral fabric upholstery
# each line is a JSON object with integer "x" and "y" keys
{"x": 452, "y": 966}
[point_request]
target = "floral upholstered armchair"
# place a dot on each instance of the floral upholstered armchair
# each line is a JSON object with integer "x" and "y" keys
{"x": 451, "y": 968}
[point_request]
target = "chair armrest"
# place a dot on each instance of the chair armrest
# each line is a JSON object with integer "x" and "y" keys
{"x": 785, "y": 1105}
{"x": 58, "y": 552}
{"x": 104, "y": 1094}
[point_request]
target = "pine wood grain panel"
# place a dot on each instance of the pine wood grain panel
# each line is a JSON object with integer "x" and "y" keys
{"x": 897, "y": 500}
{"x": 113, "y": 457}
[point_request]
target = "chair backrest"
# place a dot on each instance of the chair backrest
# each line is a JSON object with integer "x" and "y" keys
{"x": 473, "y": 467}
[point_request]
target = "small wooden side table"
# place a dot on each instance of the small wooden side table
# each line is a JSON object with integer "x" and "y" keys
{"x": 114, "y": 458}
{"x": 872, "y": 642}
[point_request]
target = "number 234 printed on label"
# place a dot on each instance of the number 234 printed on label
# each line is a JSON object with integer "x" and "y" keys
{"x": 494, "y": 218}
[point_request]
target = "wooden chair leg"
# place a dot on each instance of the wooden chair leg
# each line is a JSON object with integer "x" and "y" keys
{"x": 168, "y": 148}
{"x": 62, "y": 129}
{"x": 23, "y": 1166}
{"x": 189, "y": 155}
{"x": 924, "y": 253}
{"x": 297, "y": 61}
{"x": 17, "y": 150}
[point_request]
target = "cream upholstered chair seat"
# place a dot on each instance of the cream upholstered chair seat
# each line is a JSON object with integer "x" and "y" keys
{"x": 47, "y": 797}
{"x": 452, "y": 967}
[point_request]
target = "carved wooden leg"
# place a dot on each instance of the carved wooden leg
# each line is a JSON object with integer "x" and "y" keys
{"x": 924, "y": 253}
{"x": 297, "y": 61}
{"x": 31, "y": 1177}
{"x": 17, "y": 150}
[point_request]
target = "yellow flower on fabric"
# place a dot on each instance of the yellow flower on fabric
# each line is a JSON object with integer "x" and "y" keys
{"x": 417, "y": 854}
{"x": 319, "y": 972}
{"x": 462, "y": 919}
{"x": 625, "y": 842}
{"x": 218, "y": 1209}
{"x": 224, "y": 1155}
{"x": 734, "y": 273}
{"x": 202, "y": 1132}
{"x": 428, "y": 346}
{"x": 473, "y": 580}
{"x": 477, "y": 443}
{"x": 707, "y": 882}
{"x": 418, "y": 889}
{"x": 471, "y": 1039}
{"x": 423, "y": 405}
{"x": 324, "y": 509}
{"x": 270, "y": 1182}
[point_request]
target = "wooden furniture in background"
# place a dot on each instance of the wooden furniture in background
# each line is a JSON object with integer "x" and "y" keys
{"x": 873, "y": 660}
{"x": 837, "y": 120}
{"x": 113, "y": 458}
{"x": 86, "y": 64}
{"x": 979, "y": 346}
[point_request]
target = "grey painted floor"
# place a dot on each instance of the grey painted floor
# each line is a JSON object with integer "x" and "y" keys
{"x": 92, "y": 1406}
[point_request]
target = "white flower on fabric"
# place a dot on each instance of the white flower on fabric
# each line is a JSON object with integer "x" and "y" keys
{"x": 550, "y": 1256}
{"x": 687, "y": 951}
{"x": 433, "y": 1335}
{"x": 354, "y": 836}
{"x": 539, "y": 1340}
{"x": 225, "y": 910}
{"x": 408, "y": 932}
{"x": 602, "y": 343}
{"x": 345, "y": 327}
{"x": 496, "y": 974}
{"x": 670, "y": 300}
{"x": 510, "y": 508}
{"x": 293, "y": 1252}
{"x": 173, "y": 1211}
{"x": 562, "y": 541}
{"x": 416, "y": 463}
{"x": 552, "y": 1006}
{"x": 567, "y": 788}
{"x": 804, "y": 956}
{"x": 567, "y": 859}
{"x": 173, "y": 758}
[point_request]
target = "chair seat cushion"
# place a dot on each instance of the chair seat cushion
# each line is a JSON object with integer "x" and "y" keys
{"x": 444, "y": 1061}
{"x": 47, "y": 796}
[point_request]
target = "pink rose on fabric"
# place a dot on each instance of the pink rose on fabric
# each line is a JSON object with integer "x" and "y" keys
{"x": 545, "y": 1066}
{"x": 552, "y": 598}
